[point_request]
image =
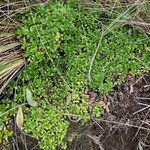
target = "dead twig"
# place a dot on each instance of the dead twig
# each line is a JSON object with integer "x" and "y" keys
{"x": 96, "y": 140}
{"x": 145, "y": 122}
{"x": 140, "y": 127}
{"x": 137, "y": 80}
{"x": 98, "y": 124}
{"x": 146, "y": 86}
{"x": 93, "y": 58}
{"x": 124, "y": 124}
{"x": 142, "y": 98}
{"x": 148, "y": 106}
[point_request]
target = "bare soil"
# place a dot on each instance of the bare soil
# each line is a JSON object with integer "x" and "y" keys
{"x": 126, "y": 127}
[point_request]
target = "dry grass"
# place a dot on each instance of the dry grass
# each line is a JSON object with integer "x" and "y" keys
{"x": 11, "y": 55}
{"x": 139, "y": 18}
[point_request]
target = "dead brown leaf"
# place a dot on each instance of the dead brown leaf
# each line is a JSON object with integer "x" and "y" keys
{"x": 104, "y": 105}
{"x": 19, "y": 118}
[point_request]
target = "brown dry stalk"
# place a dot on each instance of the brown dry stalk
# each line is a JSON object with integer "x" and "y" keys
{"x": 123, "y": 124}
{"x": 11, "y": 56}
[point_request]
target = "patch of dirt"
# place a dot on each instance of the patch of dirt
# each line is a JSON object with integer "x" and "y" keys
{"x": 126, "y": 126}
{"x": 22, "y": 141}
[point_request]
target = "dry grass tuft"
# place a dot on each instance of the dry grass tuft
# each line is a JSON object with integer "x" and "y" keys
{"x": 11, "y": 55}
{"x": 141, "y": 19}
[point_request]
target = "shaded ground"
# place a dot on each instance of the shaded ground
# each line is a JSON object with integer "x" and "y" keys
{"x": 127, "y": 126}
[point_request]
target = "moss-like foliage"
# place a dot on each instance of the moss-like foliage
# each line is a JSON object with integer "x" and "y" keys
{"x": 4, "y": 121}
{"x": 48, "y": 126}
{"x": 60, "y": 41}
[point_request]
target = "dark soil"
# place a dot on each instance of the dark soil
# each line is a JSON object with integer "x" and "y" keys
{"x": 124, "y": 128}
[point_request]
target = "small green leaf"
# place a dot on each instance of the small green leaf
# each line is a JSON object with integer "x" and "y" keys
{"x": 29, "y": 98}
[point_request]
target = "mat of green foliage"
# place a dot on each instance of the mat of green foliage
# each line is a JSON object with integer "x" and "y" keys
{"x": 60, "y": 41}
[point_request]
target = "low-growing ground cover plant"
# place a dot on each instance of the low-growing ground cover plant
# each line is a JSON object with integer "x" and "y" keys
{"x": 69, "y": 53}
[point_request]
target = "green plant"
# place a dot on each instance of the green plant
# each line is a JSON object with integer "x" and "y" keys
{"x": 59, "y": 41}
{"x": 48, "y": 126}
{"x": 97, "y": 111}
{"x": 5, "y": 133}
{"x": 79, "y": 107}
